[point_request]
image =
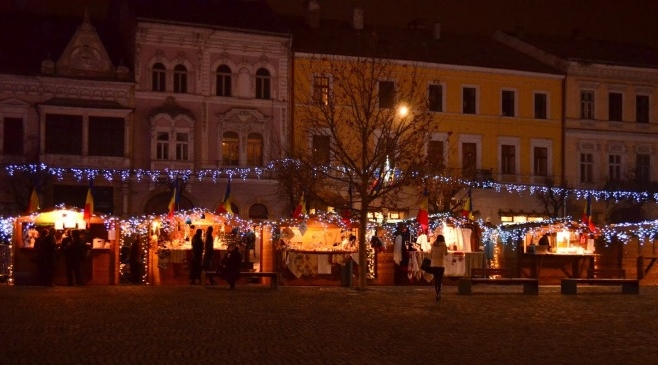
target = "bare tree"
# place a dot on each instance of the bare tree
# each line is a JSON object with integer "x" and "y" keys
{"x": 552, "y": 197}
{"x": 362, "y": 123}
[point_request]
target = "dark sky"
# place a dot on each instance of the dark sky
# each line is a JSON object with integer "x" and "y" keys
{"x": 634, "y": 21}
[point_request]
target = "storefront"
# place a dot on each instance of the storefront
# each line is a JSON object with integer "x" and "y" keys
{"x": 99, "y": 235}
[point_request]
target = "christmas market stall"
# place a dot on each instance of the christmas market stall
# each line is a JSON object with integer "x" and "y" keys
{"x": 316, "y": 250}
{"x": 547, "y": 250}
{"x": 412, "y": 245}
{"x": 98, "y": 233}
{"x": 164, "y": 244}
{"x": 631, "y": 250}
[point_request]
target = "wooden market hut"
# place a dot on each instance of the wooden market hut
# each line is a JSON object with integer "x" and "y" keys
{"x": 99, "y": 234}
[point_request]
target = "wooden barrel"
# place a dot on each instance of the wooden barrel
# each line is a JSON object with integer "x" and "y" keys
{"x": 385, "y": 269}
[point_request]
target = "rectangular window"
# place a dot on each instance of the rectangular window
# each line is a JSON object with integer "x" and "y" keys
{"x": 541, "y": 106}
{"x": 182, "y": 147}
{"x": 541, "y": 161}
{"x": 158, "y": 77}
{"x": 180, "y": 79}
{"x": 254, "y": 150}
{"x": 106, "y": 136}
{"x": 321, "y": 150}
{"x": 435, "y": 154}
{"x": 508, "y": 159}
{"x": 469, "y": 100}
{"x": 386, "y": 94}
{"x": 615, "y": 107}
{"x": 162, "y": 146}
{"x": 614, "y": 167}
{"x": 642, "y": 108}
{"x": 642, "y": 168}
{"x": 586, "y": 168}
{"x": 64, "y": 134}
{"x": 13, "y": 136}
{"x": 321, "y": 90}
{"x": 507, "y": 103}
{"x": 469, "y": 160}
{"x": 230, "y": 149}
{"x": 586, "y": 105}
{"x": 435, "y": 95}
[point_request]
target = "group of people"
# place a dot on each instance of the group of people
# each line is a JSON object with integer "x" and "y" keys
{"x": 47, "y": 249}
{"x": 202, "y": 259}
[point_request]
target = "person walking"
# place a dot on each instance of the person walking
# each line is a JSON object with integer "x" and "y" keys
{"x": 437, "y": 254}
{"x": 208, "y": 253}
{"x": 73, "y": 250}
{"x": 231, "y": 265}
{"x": 197, "y": 256}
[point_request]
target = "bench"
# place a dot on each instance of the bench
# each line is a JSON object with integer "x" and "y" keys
{"x": 628, "y": 286}
{"x": 481, "y": 272}
{"x": 606, "y": 273}
{"x": 274, "y": 283}
{"x": 530, "y": 285}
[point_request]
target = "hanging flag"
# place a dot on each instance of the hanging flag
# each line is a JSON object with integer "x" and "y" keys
{"x": 423, "y": 215}
{"x": 89, "y": 204}
{"x": 301, "y": 208}
{"x": 173, "y": 201}
{"x": 225, "y": 206}
{"x": 467, "y": 209}
{"x": 33, "y": 203}
{"x": 587, "y": 214}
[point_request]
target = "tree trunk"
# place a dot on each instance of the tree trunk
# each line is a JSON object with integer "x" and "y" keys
{"x": 363, "y": 257}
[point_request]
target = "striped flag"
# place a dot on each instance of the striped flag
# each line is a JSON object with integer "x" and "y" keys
{"x": 467, "y": 209}
{"x": 89, "y": 204}
{"x": 33, "y": 203}
{"x": 225, "y": 206}
{"x": 587, "y": 214}
{"x": 423, "y": 215}
{"x": 301, "y": 208}
{"x": 173, "y": 202}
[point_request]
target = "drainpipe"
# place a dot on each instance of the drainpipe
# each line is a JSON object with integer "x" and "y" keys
{"x": 563, "y": 139}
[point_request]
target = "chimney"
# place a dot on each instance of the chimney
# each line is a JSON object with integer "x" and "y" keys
{"x": 437, "y": 31}
{"x": 357, "y": 18}
{"x": 313, "y": 14}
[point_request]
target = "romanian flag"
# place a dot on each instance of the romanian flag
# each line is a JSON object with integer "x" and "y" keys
{"x": 423, "y": 216}
{"x": 301, "y": 208}
{"x": 225, "y": 206}
{"x": 587, "y": 214}
{"x": 173, "y": 201}
{"x": 33, "y": 204}
{"x": 89, "y": 204}
{"x": 467, "y": 209}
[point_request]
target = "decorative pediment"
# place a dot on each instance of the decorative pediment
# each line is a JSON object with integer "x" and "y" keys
{"x": 240, "y": 115}
{"x": 85, "y": 55}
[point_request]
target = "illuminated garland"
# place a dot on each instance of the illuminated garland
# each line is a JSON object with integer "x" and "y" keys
{"x": 139, "y": 175}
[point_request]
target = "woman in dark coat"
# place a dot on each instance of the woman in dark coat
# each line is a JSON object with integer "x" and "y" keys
{"x": 197, "y": 256}
{"x": 135, "y": 261}
{"x": 231, "y": 265}
{"x": 208, "y": 252}
{"x": 74, "y": 251}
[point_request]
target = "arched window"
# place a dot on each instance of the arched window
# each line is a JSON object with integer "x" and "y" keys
{"x": 258, "y": 211}
{"x": 223, "y": 81}
{"x": 158, "y": 77}
{"x": 180, "y": 79}
{"x": 262, "y": 84}
{"x": 254, "y": 149}
{"x": 230, "y": 155}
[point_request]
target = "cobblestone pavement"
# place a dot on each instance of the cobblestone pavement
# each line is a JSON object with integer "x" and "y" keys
{"x": 325, "y": 325}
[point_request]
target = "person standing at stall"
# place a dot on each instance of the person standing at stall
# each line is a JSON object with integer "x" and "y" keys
{"x": 74, "y": 251}
{"x": 231, "y": 266}
{"x": 437, "y": 254}
{"x": 197, "y": 256}
{"x": 49, "y": 257}
{"x": 135, "y": 261}
{"x": 208, "y": 253}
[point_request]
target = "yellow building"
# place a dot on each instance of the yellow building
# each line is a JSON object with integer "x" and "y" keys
{"x": 497, "y": 113}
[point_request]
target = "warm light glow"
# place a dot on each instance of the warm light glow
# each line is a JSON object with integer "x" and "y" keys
{"x": 403, "y": 110}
